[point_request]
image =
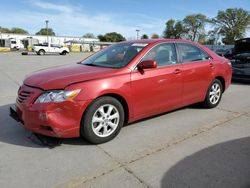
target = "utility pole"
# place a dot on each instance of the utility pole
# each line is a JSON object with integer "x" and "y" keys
{"x": 137, "y": 31}
{"x": 1, "y": 32}
{"x": 47, "y": 32}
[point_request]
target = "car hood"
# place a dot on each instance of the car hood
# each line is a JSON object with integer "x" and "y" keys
{"x": 62, "y": 76}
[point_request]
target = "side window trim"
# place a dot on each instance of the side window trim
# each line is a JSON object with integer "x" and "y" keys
{"x": 179, "y": 59}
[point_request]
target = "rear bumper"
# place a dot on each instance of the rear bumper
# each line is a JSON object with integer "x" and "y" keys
{"x": 62, "y": 120}
{"x": 241, "y": 74}
{"x": 241, "y": 78}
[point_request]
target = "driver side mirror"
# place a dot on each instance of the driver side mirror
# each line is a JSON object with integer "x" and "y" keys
{"x": 147, "y": 64}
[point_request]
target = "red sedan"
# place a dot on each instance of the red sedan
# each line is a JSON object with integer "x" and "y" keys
{"x": 120, "y": 84}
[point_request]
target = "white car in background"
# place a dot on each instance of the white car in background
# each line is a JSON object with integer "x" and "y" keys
{"x": 42, "y": 49}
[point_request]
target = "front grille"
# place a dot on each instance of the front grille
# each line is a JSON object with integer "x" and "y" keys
{"x": 24, "y": 96}
{"x": 27, "y": 94}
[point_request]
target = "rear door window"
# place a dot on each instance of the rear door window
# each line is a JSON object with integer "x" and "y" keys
{"x": 191, "y": 53}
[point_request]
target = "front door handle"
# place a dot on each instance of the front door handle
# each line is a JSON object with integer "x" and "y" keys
{"x": 177, "y": 71}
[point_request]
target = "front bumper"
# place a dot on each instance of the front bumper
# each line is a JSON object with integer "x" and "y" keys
{"x": 13, "y": 113}
{"x": 62, "y": 120}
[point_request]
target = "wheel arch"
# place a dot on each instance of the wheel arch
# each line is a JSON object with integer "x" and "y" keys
{"x": 41, "y": 50}
{"x": 118, "y": 97}
{"x": 222, "y": 80}
{"x": 123, "y": 102}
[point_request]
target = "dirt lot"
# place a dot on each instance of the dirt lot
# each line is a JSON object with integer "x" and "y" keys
{"x": 190, "y": 147}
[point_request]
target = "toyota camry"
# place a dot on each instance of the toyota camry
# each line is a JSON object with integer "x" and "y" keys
{"x": 120, "y": 84}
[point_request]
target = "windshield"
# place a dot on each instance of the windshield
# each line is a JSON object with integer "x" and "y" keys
{"x": 115, "y": 56}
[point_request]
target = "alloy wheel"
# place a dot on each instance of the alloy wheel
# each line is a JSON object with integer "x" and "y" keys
{"x": 215, "y": 93}
{"x": 105, "y": 120}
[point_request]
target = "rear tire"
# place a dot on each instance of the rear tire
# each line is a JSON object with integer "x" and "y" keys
{"x": 64, "y": 53}
{"x": 102, "y": 120}
{"x": 41, "y": 52}
{"x": 214, "y": 94}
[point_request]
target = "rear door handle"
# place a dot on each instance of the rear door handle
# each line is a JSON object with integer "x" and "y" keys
{"x": 177, "y": 71}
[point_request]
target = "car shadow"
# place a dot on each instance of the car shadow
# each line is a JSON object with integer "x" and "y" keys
{"x": 237, "y": 82}
{"x": 13, "y": 133}
{"x": 34, "y": 54}
{"x": 197, "y": 106}
{"x": 223, "y": 165}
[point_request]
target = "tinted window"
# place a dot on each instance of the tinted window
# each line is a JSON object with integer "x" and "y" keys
{"x": 55, "y": 45}
{"x": 189, "y": 53}
{"x": 163, "y": 54}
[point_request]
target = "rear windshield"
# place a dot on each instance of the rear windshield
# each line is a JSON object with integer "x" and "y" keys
{"x": 242, "y": 46}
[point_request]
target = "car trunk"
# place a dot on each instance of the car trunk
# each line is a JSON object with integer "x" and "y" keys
{"x": 242, "y": 46}
{"x": 241, "y": 57}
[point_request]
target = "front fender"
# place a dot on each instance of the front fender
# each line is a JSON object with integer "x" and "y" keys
{"x": 92, "y": 89}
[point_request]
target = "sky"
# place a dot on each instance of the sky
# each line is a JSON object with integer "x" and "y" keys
{"x": 77, "y": 17}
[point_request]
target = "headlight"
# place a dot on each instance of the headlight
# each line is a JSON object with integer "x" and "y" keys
{"x": 57, "y": 96}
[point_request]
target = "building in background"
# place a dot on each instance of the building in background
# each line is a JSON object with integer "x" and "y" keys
{"x": 20, "y": 41}
{"x": 86, "y": 46}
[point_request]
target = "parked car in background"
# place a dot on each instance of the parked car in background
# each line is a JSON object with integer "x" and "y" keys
{"x": 240, "y": 59}
{"x": 221, "y": 52}
{"x": 42, "y": 49}
{"x": 122, "y": 83}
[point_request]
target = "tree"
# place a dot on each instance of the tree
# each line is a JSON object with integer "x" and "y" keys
{"x": 111, "y": 37}
{"x": 144, "y": 36}
{"x": 15, "y": 30}
{"x": 101, "y": 38}
{"x": 202, "y": 39}
{"x": 89, "y": 35}
{"x": 43, "y": 31}
{"x": 232, "y": 24}
{"x": 18, "y": 30}
{"x": 4, "y": 30}
{"x": 195, "y": 25}
{"x": 212, "y": 37}
{"x": 155, "y": 36}
{"x": 174, "y": 29}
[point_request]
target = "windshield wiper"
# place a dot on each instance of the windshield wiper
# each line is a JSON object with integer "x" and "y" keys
{"x": 90, "y": 64}
{"x": 95, "y": 65}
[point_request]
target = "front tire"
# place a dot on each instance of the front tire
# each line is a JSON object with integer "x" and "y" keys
{"x": 102, "y": 120}
{"x": 214, "y": 94}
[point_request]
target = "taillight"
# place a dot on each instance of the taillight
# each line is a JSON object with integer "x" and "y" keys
{"x": 228, "y": 62}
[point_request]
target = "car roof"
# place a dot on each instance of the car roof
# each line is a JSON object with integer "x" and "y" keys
{"x": 154, "y": 41}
